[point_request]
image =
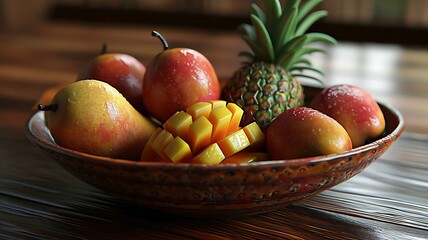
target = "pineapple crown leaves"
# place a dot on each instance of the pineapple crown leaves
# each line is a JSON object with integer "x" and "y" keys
{"x": 279, "y": 35}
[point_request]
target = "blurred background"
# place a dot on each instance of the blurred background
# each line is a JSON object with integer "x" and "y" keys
{"x": 389, "y": 21}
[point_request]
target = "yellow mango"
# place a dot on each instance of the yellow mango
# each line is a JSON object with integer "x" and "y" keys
{"x": 233, "y": 143}
{"x": 218, "y": 103}
{"x": 199, "y": 109}
{"x": 149, "y": 154}
{"x": 255, "y": 135}
{"x": 208, "y": 133}
{"x": 178, "y": 124}
{"x": 220, "y": 119}
{"x": 237, "y": 113}
{"x": 246, "y": 157}
{"x": 210, "y": 155}
{"x": 178, "y": 150}
{"x": 161, "y": 142}
{"x": 199, "y": 135}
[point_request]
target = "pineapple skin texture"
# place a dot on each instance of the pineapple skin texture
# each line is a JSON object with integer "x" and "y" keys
{"x": 263, "y": 91}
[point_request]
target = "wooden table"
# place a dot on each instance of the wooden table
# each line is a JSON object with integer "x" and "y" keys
{"x": 40, "y": 200}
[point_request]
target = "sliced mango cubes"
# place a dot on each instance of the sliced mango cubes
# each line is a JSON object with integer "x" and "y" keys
{"x": 233, "y": 143}
{"x": 207, "y": 133}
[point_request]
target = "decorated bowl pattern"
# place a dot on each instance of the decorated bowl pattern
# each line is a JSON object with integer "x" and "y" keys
{"x": 226, "y": 189}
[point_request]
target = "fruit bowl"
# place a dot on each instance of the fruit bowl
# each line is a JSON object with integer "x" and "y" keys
{"x": 224, "y": 189}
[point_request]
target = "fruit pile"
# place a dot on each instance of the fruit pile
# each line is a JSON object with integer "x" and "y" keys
{"x": 174, "y": 111}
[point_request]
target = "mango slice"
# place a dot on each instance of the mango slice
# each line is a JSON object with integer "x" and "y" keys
{"x": 199, "y": 109}
{"x": 220, "y": 118}
{"x": 210, "y": 155}
{"x": 178, "y": 151}
{"x": 199, "y": 135}
{"x": 161, "y": 142}
{"x": 233, "y": 143}
{"x": 237, "y": 113}
{"x": 178, "y": 124}
{"x": 256, "y": 136}
{"x": 218, "y": 103}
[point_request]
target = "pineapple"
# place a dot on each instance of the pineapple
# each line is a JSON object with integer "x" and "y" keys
{"x": 267, "y": 85}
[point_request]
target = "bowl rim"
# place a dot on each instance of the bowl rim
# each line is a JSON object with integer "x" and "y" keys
{"x": 289, "y": 162}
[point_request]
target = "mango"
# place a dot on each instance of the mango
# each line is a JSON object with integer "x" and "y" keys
{"x": 355, "y": 109}
{"x": 237, "y": 113}
{"x": 210, "y": 155}
{"x": 178, "y": 124}
{"x": 161, "y": 142}
{"x": 199, "y": 109}
{"x": 304, "y": 132}
{"x": 255, "y": 136}
{"x": 208, "y": 133}
{"x": 233, "y": 143}
{"x": 178, "y": 150}
{"x": 218, "y": 103}
{"x": 91, "y": 116}
{"x": 199, "y": 135}
{"x": 220, "y": 118}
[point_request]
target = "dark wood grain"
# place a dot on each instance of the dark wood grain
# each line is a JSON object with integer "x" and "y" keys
{"x": 40, "y": 200}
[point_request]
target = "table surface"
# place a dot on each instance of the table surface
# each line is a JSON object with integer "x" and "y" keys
{"x": 40, "y": 200}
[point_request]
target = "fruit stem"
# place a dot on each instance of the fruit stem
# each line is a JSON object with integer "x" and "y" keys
{"x": 164, "y": 42}
{"x": 51, "y": 107}
{"x": 103, "y": 48}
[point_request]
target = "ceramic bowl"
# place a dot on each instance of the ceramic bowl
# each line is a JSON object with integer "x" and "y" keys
{"x": 225, "y": 189}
